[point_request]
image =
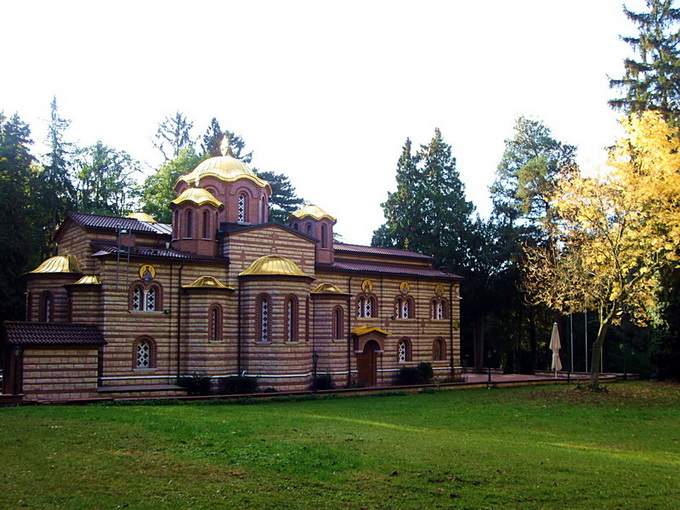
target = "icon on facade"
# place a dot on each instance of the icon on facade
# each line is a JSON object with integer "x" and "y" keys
{"x": 147, "y": 272}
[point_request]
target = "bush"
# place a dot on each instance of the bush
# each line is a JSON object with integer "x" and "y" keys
{"x": 195, "y": 384}
{"x": 409, "y": 376}
{"x": 238, "y": 385}
{"x": 322, "y": 382}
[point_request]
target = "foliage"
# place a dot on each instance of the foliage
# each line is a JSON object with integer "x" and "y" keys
{"x": 196, "y": 384}
{"x": 104, "y": 180}
{"x": 652, "y": 82}
{"x": 238, "y": 385}
{"x": 55, "y": 189}
{"x": 614, "y": 233}
{"x": 173, "y": 135}
{"x": 20, "y": 235}
{"x": 322, "y": 382}
{"x": 422, "y": 374}
{"x": 532, "y": 163}
{"x": 157, "y": 191}
{"x": 213, "y": 141}
{"x": 284, "y": 200}
{"x": 560, "y": 445}
{"x": 428, "y": 213}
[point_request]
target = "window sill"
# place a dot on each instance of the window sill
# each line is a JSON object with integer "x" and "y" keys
{"x": 146, "y": 312}
{"x": 145, "y": 370}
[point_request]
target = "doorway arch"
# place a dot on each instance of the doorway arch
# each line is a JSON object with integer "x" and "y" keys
{"x": 367, "y": 364}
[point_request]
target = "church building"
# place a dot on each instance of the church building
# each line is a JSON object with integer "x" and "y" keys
{"x": 129, "y": 306}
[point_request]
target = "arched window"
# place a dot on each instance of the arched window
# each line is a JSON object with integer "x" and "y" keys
{"x": 403, "y": 350}
{"x": 242, "y": 207}
{"x": 145, "y": 299}
{"x": 175, "y": 224}
{"x": 438, "y": 350}
{"x": 439, "y": 309}
{"x": 46, "y": 307}
{"x": 291, "y": 320}
{"x": 296, "y": 226}
{"x": 144, "y": 353}
{"x": 215, "y": 323}
{"x": 206, "y": 225}
{"x": 324, "y": 236}
{"x": 309, "y": 229}
{"x": 263, "y": 319}
{"x": 338, "y": 322}
{"x": 189, "y": 227}
{"x": 403, "y": 308}
{"x": 367, "y": 307}
{"x": 263, "y": 210}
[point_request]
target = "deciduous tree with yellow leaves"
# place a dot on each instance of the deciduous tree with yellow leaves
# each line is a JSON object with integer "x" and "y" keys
{"x": 614, "y": 233}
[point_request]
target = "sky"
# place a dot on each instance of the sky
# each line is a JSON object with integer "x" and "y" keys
{"x": 324, "y": 92}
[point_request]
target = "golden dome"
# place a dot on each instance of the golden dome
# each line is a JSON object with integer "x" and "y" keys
{"x": 274, "y": 265}
{"x": 141, "y": 216}
{"x": 59, "y": 264}
{"x": 89, "y": 279}
{"x": 207, "y": 282}
{"x": 313, "y": 211}
{"x": 198, "y": 196}
{"x": 327, "y": 288}
{"x": 224, "y": 168}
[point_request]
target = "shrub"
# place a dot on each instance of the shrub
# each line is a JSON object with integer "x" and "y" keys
{"x": 195, "y": 384}
{"x": 322, "y": 382}
{"x": 238, "y": 385}
{"x": 422, "y": 374}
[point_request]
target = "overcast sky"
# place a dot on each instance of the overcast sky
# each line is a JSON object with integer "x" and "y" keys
{"x": 324, "y": 92}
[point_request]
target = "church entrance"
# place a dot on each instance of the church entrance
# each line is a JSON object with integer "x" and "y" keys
{"x": 367, "y": 364}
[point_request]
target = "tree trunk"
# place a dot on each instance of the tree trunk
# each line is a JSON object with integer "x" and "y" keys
{"x": 597, "y": 354}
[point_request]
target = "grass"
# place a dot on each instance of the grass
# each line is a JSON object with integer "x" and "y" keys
{"x": 524, "y": 448}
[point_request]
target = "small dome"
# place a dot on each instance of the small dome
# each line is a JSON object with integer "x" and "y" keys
{"x": 274, "y": 265}
{"x": 59, "y": 264}
{"x": 198, "y": 196}
{"x": 224, "y": 168}
{"x": 141, "y": 216}
{"x": 327, "y": 288}
{"x": 89, "y": 279}
{"x": 312, "y": 211}
{"x": 207, "y": 282}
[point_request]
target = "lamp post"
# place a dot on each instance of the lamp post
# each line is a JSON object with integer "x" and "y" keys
{"x": 315, "y": 361}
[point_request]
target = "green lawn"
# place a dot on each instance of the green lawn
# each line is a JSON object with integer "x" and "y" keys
{"x": 538, "y": 447}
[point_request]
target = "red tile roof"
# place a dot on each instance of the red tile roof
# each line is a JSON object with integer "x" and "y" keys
{"x": 371, "y": 250}
{"x": 393, "y": 269}
{"x": 117, "y": 222}
{"x": 52, "y": 333}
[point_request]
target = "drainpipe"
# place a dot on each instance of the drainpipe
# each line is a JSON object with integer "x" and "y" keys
{"x": 453, "y": 371}
{"x": 349, "y": 335}
{"x": 238, "y": 335}
{"x": 179, "y": 320}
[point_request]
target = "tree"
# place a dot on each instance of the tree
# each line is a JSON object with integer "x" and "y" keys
{"x": 173, "y": 135}
{"x": 428, "y": 213}
{"x": 103, "y": 180}
{"x": 533, "y": 161}
{"x": 157, "y": 191}
{"x": 56, "y": 192}
{"x": 19, "y": 234}
{"x": 284, "y": 200}
{"x": 652, "y": 82}
{"x": 615, "y": 234}
{"x": 213, "y": 143}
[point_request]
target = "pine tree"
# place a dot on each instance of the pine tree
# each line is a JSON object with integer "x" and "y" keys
{"x": 19, "y": 233}
{"x": 284, "y": 200}
{"x": 213, "y": 140}
{"x": 652, "y": 81}
{"x": 55, "y": 188}
{"x": 428, "y": 213}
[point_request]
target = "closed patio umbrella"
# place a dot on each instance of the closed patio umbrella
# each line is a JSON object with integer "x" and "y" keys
{"x": 555, "y": 346}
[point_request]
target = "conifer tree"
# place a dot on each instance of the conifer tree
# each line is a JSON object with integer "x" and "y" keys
{"x": 652, "y": 81}
{"x": 19, "y": 233}
{"x": 213, "y": 141}
{"x": 284, "y": 200}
